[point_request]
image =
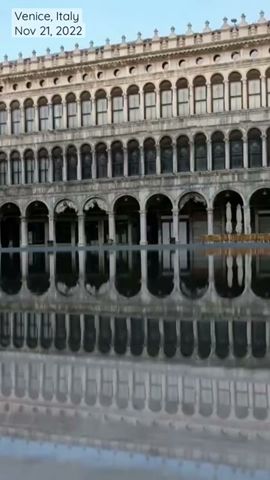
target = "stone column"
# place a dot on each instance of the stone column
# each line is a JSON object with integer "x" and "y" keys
{"x": 109, "y": 109}
{"x": 8, "y": 121}
{"x": 79, "y": 164}
{"x": 209, "y": 97}
{"x": 81, "y": 255}
{"x": 125, "y": 106}
{"x": 192, "y": 156}
{"x": 209, "y": 155}
{"x": 36, "y": 119}
{"x": 125, "y": 152}
{"x": 226, "y": 96}
{"x": 143, "y": 227}
{"x": 158, "y": 113}
{"x": 174, "y": 158}
{"x": 245, "y": 102}
{"x": 158, "y": 163}
{"x": 174, "y": 102}
{"x": 112, "y": 235}
{"x": 109, "y": 172}
{"x": 264, "y": 150}
{"x": 141, "y": 104}
{"x": 245, "y": 152}
{"x": 8, "y": 170}
{"x": 73, "y": 234}
{"x": 50, "y": 108}
{"x": 24, "y": 228}
{"x": 175, "y": 213}
{"x": 50, "y": 167}
{"x": 191, "y": 99}
{"x": 51, "y": 229}
{"x": 81, "y": 231}
{"x": 247, "y": 225}
{"x": 263, "y": 91}
{"x": 210, "y": 221}
{"x": 64, "y": 165}
{"x": 64, "y": 119}
{"x": 94, "y": 112}
{"x": 23, "y": 123}
{"x": 94, "y": 163}
{"x": 142, "y": 161}
{"x": 227, "y": 153}
{"x": 52, "y": 267}
{"x": 79, "y": 113}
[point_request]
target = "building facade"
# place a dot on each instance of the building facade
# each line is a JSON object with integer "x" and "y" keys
{"x": 146, "y": 142}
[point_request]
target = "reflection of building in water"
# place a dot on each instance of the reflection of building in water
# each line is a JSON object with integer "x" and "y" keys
{"x": 151, "y": 141}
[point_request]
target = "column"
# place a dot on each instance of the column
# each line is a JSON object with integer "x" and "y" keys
{"x": 73, "y": 233}
{"x": 8, "y": 170}
{"x": 94, "y": 112}
{"x": 51, "y": 229}
{"x": 142, "y": 161}
{"x": 81, "y": 231}
{"x": 64, "y": 120}
{"x": 22, "y": 120}
{"x": 23, "y": 167}
{"x": 79, "y": 164}
{"x": 64, "y": 165}
{"x": 191, "y": 99}
{"x": 175, "y": 214}
{"x": 209, "y": 155}
{"x": 264, "y": 150}
{"x": 141, "y": 104}
{"x": 226, "y": 96}
{"x": 125, "y": 106}
{"x": 50, "y": 167}
{"x": 79, "y": 113}
{"x": 174, "y": 102}
{"x": 158, "y": 165}
{"x": 24, "y": 241}
{"x": 158, "y": 104}
{"x": 81, "y": 255}
{"x": 94, "y": 163}
{"x": 227, "y": 153}
{"x": 112, "y": 227}
{"x": 247, "y": 226}
{"x": 210, "y": 221}
{"x": 244, "y": 83}
{"x": 52, "y": 267}
{"x": 174, "y": 158}
{"x": 209, "y": 99}
{"x": 245, "y": 152}
{"x": 191, "y": 145}
{"x": 109, "y": 108}
{"x": 36, "y": 119}
{"x": 143, "y": 228}
{"x": 50, "y": 107}
{"x": 263, "y": 92}
{"x": 109, "y": 173}
{"x": 8, "y": 121}
{"x": 125, "y": 161}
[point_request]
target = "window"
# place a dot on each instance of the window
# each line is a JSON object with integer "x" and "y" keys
{"x": 254, "y": 89}
{"x": 254, "y": 148}
{"x": 200, "y": 95}
{"x": 133, "y": 97}
{"x": 150, "y": 156}
{"x": 218, "y": 151}
{"x": 57, "y": 109}
{"x": 217, "y": 93}
{"x": 15, "y": 164}
{"x": 236, "y": 149}
{"x": 117, "y": 159}
{"x": 43, "y": 114}
{"x": 166, "y": 99}
{"x": 235, "y": 89}
{"x": 183, "y": 154}
{"x": 86, "y": 159}
{"x": 3, "y": 119}
{"x": 200, "y": 152}
{"x": 72, "y": 163}
{"x": 3, "y": 168}
{"x": 29, "y": 166}
{"x": 86, "y": 109}
{"x": 15, "y": 118}
{"x": 43, "y": 166}
{"x": 182, "y": 97}
{"x": 29, "y": 113}
{"x": 268, "y": 87}
{"x": 102, "y": 160}
{"x": 102, "y": 108}
{"x": 57, "y": 159}
{"x": 133, "y": 158}
{"x": 117, "y": 106}
{"x": 166, "y": 155}
{"x": 149, "y": 102}
{"x": 71, "y": 111}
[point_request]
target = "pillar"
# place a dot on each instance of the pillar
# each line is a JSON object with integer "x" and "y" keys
{"x": 226, "y": 96}
{"x": 23, "y": 168}
{"x": 174, "y": 102}
{"x": 8, "y": 170}
{"x": 244, "y": 83}
{"x": 174, "y": 158}
{"x": 109, "y": 109}
{"x": 79, "y": 164}
{"x": 142, "y": 161}
{"x": 227, "y": 153}
{"x": 64, "y": 166}
{"x": 36, "y": 119}
{"x": 24, "y": 241}
{"x": 94, "y": 163}
{"x": 51, "y": 229}
{"x": 125, "y": 152}
{"x": 109, "y": 172}
{"x": 50, "y": 173}
{"x": 112, "y": 227}
{"x": 245, "y": 152}
{"x": 209, "y": 99}
{"x": 143, "y": 227}
{"x": 141, "y": 104}
{"x": 209, "y": 155}
{"x": 158, "y": 165}
{"x": 50, "y": 108}
{"x": 8, "y": 121}
{"x": 247, "y": 225}
{"x": 64, "y": 119}
{"x": 24, "y": 264}
{"x": 175, "y": 214}
{"x": 79, "y": 113}
{"x": 94, "y": 112}
{"x": 52, "y": 267}
{"x": 22, "y": 120}
{"x": 158, "y": 104}
{"x": 263, "y": 93}
{"x": 81, "y": 230}
{"x": 125, "y": 106}
{"x": 210, "y": 221}
{"x": 191, "y": 99}
{"x": 81, "y": 255}
{"x": 192, "y": 156}
{"x": 264, "y": 150}
{"x": 73, "y": 233}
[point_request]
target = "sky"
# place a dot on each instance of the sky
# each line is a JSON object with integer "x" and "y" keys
{"x": 114, "y": 18}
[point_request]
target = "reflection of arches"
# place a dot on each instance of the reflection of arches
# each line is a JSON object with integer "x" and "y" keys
{"x": 38, "y": 278}
{"x": 137, "y": 336}
{"x": 10, "y": 225}
{"x": 160, "y": 274}
{"x": 260, "y": 276}
{"x": 128, "y": 274}
{"x": 11, "y": 273}
{"x": 229, "y": 275}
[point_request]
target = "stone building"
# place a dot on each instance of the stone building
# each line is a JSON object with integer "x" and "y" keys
{"x": 151, "y": 141}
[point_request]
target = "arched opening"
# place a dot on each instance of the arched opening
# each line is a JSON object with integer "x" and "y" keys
{"x": 133, "y": 98}
{"x": 166, "y": 155}
{"x": 235, "y": 91}
{"x": 117, "y": 105}
{"x": 72, "y": 162}
{"x": 29, "y": 166}
{"x": 200, "y": 95}
{"x": 43, "y": 165}
{"x": 3, "y": 168}
{"x": 85, "y": 119}
{"x": 96, "y": 222}
{"x": 150, "y": 154}
{"x": 37, "y": 221}
{"x": 254, "y": 148}
{"x": 57, "y": 162}
{"x": 236, "y": 149}
{"x": 102, "y": 160}
{"x": 16, "y": 168}
{"x": 134, "y": 157}
{"x": 254, "y": 89}
{"x": 260, "y": 211}
{"x": 193, "y": 218}
{"x": 43, "y": 114}
{"x": 183, "y": 154}
{"x": 228, "y": 213}
{"x": 15, "y": 113}
{"x": 57, "y": 112}
{"x": 66, "y": 226}
{"x": 182, "y": 97}
{"x": 117, "y": 159}
{"x": 101, "y": 108}
{"x": 86, "y": 161}
{"x": 10, "y": 225}
{"x": 217, "y": 86}
{"x": 72, "y": 120}
{"x": 128, "y": 273}
{"x": 159, "y": 220}
{"x": 200, "y": 152}
{"x": 229, "y": 275}
{"x": 149, "y": 101}
{"x": 3, "y": 118}
{"x": 29, "y": 115}
{"x": 218, "y": 151}
{"x": 127, "y": 220}
{"x": 166, "y": 99}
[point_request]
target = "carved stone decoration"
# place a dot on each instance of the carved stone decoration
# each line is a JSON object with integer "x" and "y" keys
{"x": 95, "y": 202}
{"x": 65, "y": 290}
{"x": 64, "y": 205}
{"x": 228, "y": 226}
{"x": 239, "y": 223}
{"x": 194, "y": 197}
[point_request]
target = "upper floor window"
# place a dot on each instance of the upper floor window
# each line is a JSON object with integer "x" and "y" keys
{"x": 102, "y": 160}
{"x": 200, "y": 152}
{"x": 166, "y": 155}
{"x": 117, "y": 159}
{"x": 85, "y": 109}
{"x": 254, "y": 89}
{"x": 182, "y": 97}
{"x": 200, "y": 95}
{"x": 101, "y": 107}
{"x": 254, "y": 148}
{"x": 235, "y": 91}
{"x": 15, "y": 118}
{"x": 217, "y": 86}
{"x": 3, "y": 119}
{"x": 29, "y": 166}
{"x": 133, "y": 157}
{"x": 218, "y": 151}
{"x": 236, "y": 149}
{"x": 43, "y": 165}
{"x": 43, "y": 114}
{"x": 117, "y": 105}
{"x": 149, "y": 102}
{"x": 29, "y": 114}
{"x": 133, "y": 98}
{"x": 3, "y": 168}
{"x": 15, "y": 166}
{"x": 57, "y": 161}
{"x": 72, "y": 161}
{"x": 183, "y": 154}
{"x": 86, "y": 159}
{"x": 150, "y": 154}
{"x": 72, "y": 121}
{"x": 57, "y": 112}
{"x": 166, "y": 99}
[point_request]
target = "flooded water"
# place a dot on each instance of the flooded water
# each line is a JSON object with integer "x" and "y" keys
{"x": 139, "y": 363}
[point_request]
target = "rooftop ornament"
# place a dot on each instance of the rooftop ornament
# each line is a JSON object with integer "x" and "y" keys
{"x": 76, "y": 46}
{"x": 156, "y": 35}
{"x": 234, "y": 22}
{"x": 107, "y": 41}
{"x": 225, "y": 24}
{"x": 262, "y": 18}
{"x": 207, "y": 28}
{"x": 139, "y": 37}
{"x": 189, "y": 30}
{"x": 62, "y": 49}
{"x": 5, "y": 58}
{"x": 124, "y": 39}
{"x": 91, "y": 45}
{"x": 243, "y": 20}
{"x": 172, "y": 34}
{"x": 48, "y": 51}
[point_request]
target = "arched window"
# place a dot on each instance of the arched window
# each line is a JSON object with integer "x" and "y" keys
{"x": 43, "y": 114}
{"x": 166, "y": 155}
{"x": 117, "y": 106}
{"x": 102, "y": 160}
{"x": 268, "y": 86}
{"x": 117, "y": 159}
{"x": 72, "y": 121}
{"x": 133, "y": 98}
{"x": 102, "y": 107}
{"x": 254, "y": 89}
{"x": 57, "y": 161}
{"x": 150, "y": 156}
{"x": 236, "y": 149}
{"x": 200, "y": 95}
{"x": 235, "y": 91}
{"x": 15, "y": 117}
{"x": 72, "y": 161}
{"x": 218, "y": 151}
{"x": 200, "y": 152}
{"x": 3, "y": 119}
{"x": 15, "y": 167}
{"x": 182, "y": 97}
{"x": 183, "y": 154}
{"x": 217, "y": 93}
{"x": 57, "y": 110}
{"x": 86, "y": 109}
{"x": 166, "y": 99}
{"x": 29, "y": 166}
{"x": 254, "y": 148}
{"x": 3, "y": 168}
{"x": 43, "y": 165}
{"x": 29, "y": 115}
{"x": 86, "y": 159}
{"x": 149, "y": 102}
{"x": 133, "y": 158}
